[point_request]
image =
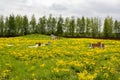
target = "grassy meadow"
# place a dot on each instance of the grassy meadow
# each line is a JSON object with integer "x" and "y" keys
{"x": 64, "y": 59}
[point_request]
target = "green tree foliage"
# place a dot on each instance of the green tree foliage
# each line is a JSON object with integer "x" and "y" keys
{"x": 95, "y": 28}
{"x": 18, "y": 24}
{"x": 88, "y": 27}
{"x": 83, "y": 27}
{"x": 116, "y": 26}
{"x": 1, "y": 26}
{"x": 33, "y": 24}
{"x": 99, "y": 28}
{"x": 66, "y": 26}
{"x": 80, "y": 26}
{"x": 60, "y": 26}
{"x": 51, "y": 24}
{"x": 42, "y": 25}
{"x": 6, "y": 26}
{"x": 11, "y": 26}
{"x": 37, "y": 28}
{"x": 117, "y": 29}
{"x": 25, "y": 29}
{"x": 72, "y": 26}
{"x": 108, "y": 26}
{"x": 53, "y": 28}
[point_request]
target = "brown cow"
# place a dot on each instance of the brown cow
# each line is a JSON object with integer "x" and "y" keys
{"x": 39, "y": 44}
{"x": 99, "y": 45}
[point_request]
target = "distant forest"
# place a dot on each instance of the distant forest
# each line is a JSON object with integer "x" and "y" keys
{"x": 12, "y": 25}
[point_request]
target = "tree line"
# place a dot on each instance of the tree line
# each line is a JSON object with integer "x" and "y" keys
{"x": 69, "y": 27}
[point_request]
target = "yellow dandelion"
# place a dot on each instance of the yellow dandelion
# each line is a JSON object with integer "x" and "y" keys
{"x": 56, "y": 70}
{"x": 42, "y": 65}
{"x": 33, "y": 74}
{"x": 106, "y": 75}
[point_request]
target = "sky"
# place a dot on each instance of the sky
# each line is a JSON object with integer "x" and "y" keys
{"x": 66, "y": 8}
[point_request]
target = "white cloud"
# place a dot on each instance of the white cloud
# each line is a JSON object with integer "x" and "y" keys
{"x": 88, "y": 8}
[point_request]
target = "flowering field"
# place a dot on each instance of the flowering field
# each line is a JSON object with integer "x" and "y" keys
{"x": 64, "y": 59}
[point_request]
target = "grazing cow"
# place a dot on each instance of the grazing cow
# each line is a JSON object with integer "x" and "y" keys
{"x": 37, "y": 45}
{"x": 40, "y": 44}
{"x": 46, "y": 44}
{"x": 53, "y": 37}
{"x": 99, "y": 45}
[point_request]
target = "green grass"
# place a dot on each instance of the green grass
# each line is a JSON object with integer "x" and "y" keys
{"x": 64, "y": 59}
